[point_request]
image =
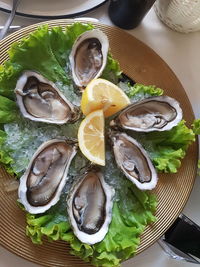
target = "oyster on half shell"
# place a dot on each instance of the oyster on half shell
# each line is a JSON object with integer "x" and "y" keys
{"x": 88, "y": 57}
{"x": 133, "y": 161}
{"x": 40, "y": 100}
{"x": 90, "y": 203}
{"x": 42, "y": 183}
{"x": 160, "y": 113}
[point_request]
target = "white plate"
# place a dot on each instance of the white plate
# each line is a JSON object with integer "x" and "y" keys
{"x": 52, "y": 8}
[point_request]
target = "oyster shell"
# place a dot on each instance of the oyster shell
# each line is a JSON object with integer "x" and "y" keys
{"x": 90, "y": 205}
{"x": 133, "y": 161}
{"x": 159, "y": 113}
{"x": 88, "y": 57}
{"x": 40, "y": 100}
{"x": 42, "y": 183}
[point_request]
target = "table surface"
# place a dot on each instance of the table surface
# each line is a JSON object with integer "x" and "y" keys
{"x": 181, "y": 53}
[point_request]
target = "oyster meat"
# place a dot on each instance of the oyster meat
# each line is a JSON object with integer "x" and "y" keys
{"x": 133, "y": 161}
{"x": 42, "y": 183}
{"x": 40, "y": 100}
{"x": 90, "y": 205}
{"x": 159, "y": 113}
{"x": 88, "y": 57}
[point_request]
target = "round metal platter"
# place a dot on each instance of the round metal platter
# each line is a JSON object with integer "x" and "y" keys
{"x": 143, "y": 65}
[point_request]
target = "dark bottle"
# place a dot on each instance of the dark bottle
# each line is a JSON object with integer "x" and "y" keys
{"x": 128, "y": 14}
{"x": 184, "y": 235}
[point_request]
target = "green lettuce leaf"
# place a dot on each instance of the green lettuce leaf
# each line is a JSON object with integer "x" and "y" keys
{"x": 46, "y": 225}
{"x": 166, "y": 149}
{"x": 5, "y": 158}
{"x": 196, "y": 130}
{"x": 35, "y": 53}
{"x": 141, "y": 91}
{"x": 8, "y": 110}
{"x": 112, "y": 70}
{"x": 130, "y": 217}
{"x": 196, "y": 126}
{"x": 9, "y": 74}
{"x": 170, "y": 147}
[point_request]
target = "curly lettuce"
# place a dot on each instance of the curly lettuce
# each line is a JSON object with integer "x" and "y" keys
{"x": 129, "y": 219}
{"x": 112, "y": 70}
{"x": 5, "y": 158}
{"x": 8, "y": 110}
{"x": 169, "y": 147}
{"x": 141, "y": 91}
{"x": 196, "y": 126}
{"x": 196, "y": 130}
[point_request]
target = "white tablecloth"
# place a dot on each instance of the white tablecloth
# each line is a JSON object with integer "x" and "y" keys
{"x": 182, "y": 53}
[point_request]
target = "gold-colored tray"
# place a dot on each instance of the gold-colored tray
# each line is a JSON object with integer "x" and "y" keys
{"x": 143, "y": 65}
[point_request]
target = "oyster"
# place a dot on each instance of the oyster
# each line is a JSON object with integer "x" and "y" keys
{"x": 90, "y": 204}
{"x": 88, "y": 57}
{"x": 159, "y": 113}
{"x": 40, "y": 100}
{"x": 42, "y": 183}
{"x": 133, "y": 160}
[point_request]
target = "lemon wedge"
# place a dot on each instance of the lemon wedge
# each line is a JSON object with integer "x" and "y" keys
{"x": 102, "y": 94}
{"x": 91, "y": 137}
